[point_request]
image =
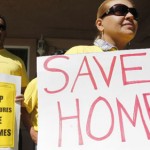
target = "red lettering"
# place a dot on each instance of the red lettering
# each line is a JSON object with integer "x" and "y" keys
{"x": 147, "y": 105}
{"x": 107, "y": 79}
{"x": 88, "y": 125}
{"x": 46, "y": 63}
{"x": 137, "y": 107}
{"x": 125, "y": 69}
{"x": 61, "y": 118}
{"x": 88, "y": 73}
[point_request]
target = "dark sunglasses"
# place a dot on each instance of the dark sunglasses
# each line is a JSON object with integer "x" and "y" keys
{"x": 2, "y": 27}
{"x": 121, "y": 10}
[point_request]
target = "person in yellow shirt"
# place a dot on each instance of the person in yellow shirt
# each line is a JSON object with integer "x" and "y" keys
{"x": 10, "y": 63}
{"x": 117, "y": 23}
{"x": 30, "y": 109}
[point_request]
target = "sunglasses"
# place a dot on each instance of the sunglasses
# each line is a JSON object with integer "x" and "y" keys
{"x": 121, "y": 10}
{"x": 2, "y": 27}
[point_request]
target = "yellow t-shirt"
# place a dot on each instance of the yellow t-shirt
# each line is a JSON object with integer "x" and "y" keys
{"x": 31, "y": 102}
{"x": 13, "y": 65}
{"x": 83, "y": 49}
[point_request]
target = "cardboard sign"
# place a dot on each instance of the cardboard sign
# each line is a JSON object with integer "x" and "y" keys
{"x": 94, "y": 101}
{"x": 9, "y": 117}
{"x": 7, "y": 114}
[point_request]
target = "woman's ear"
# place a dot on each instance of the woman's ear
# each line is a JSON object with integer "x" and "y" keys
{"x": 99, "y": 24}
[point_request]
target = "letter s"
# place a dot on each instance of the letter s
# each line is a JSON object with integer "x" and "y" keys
{"x": 56, "y": 70}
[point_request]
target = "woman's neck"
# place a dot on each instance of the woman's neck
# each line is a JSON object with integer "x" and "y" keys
{"x": 119, "y": 43}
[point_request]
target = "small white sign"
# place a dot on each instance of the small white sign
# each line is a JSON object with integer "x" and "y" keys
{"x": 17, "y": 81}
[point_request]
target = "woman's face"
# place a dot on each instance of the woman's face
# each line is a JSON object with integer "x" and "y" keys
{"x": 119, "y": 27}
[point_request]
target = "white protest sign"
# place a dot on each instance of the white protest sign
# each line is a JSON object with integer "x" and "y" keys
{"x": 17, "y": 81}
{"x": 94, "y": 101}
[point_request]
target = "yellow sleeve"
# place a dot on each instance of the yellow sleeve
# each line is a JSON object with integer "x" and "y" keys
{"x": 31, "y": 95}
